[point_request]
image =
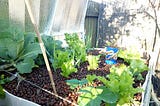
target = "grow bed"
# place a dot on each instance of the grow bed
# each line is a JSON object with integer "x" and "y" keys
{"x": 38, "y": 80}
{"x": 155, "y": 100}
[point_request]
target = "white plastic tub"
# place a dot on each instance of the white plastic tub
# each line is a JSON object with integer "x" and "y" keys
{"x": 11, "y": 100}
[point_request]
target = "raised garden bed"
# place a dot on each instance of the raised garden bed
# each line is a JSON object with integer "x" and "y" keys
{"x": 80, "y": 78}
{"x": 39, "y": 76}
{"x": 155, "y": 94}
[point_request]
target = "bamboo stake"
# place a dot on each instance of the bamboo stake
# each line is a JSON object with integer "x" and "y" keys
{"x": 41, "y": 44}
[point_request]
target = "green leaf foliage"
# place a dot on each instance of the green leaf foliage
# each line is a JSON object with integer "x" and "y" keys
{"x": 93, "y": 62}
{"x": 77, "y": 47}
{"x": 91, "y": 78}
{"x": 11, "y": 44}
{"x": 51, "y": 44}
{"x": 138, "y": 66}
{"x": 31, "y": 51}
{"x": 25, "y": 66}
{"x": 74, "y": 83}
{"x": 60, "y": 58}
{"x": 68, "y": 68}
{"x": 128, "y": 55}
{"x": 18, "y": 49}
{"x": 120, "y": 83}
{"x": 91, "y": 96}
{"x": 107, "y": 95}
{"x": 3, "y": 79}
{"x": 2, "y": 93}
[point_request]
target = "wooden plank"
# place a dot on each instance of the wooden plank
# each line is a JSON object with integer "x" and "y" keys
{"x": 17, "y": 13}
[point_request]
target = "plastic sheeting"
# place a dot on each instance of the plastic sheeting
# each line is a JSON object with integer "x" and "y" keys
{"x": 67, "y": 16}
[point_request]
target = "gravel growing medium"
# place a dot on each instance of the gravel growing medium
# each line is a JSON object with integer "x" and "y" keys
{"x": 40, "y": 77}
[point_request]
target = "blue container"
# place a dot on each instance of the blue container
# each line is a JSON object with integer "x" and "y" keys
{"x": 115, "y": 50}
{"x": 111, "y": 53}
{"x": 110, "y": 61}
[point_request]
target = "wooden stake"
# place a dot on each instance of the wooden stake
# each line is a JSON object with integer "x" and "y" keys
{"x": 41, "y": 44}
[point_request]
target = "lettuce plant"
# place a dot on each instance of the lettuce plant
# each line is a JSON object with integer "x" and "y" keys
{"x": 118, "y": 85}
{"x": 77, "y": 47}
{"x": 68, "y": 58}
{"x": 93, "y": 62}
{"x": 68, "y": 68}
{"x": 136, "y": 64}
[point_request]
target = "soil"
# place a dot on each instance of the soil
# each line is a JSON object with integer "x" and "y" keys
{"x": 40, "y": 77}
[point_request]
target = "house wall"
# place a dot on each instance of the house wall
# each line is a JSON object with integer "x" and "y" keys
{"x": 127, "y": 24}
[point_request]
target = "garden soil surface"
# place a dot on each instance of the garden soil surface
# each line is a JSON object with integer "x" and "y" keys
{"x": 40, "y": 77}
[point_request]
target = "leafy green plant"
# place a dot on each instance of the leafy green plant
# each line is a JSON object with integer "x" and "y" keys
{"x": 60, "y": 58}
{"x": 93, "y": 62}
{"x": 68, "y": 68}
{"x": 74, "y": 83}
{"x": 136, "y": 64}
{"x": 122, "y": 84}
{"x": 91, "y": 96}
{"x": 128, "y": 55}
{"x": 136, "y": 67}
{"x": 77, "y": 47}
{"x": 119, "y": 87}
{"x": 51, "y": 46}
{"x": 18, "y": 50}
{"x": 65, "y": 61}
{"x": 3, "y": 80}
{"x": 68, "y": 58}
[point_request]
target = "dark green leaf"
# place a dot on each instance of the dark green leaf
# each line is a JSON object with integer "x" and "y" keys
{"x": 107, "y": 95}
{"x": 25, "y": 66}
{"x": 90, "y": 99}
{"x": 90, "y": 78}
{"x": 29, "y": 38}
{"x": 31, "y": 51}
{"x": 73, "y": 83}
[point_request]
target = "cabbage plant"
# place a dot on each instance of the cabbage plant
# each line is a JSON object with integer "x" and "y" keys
{"x": 18, "y": 50}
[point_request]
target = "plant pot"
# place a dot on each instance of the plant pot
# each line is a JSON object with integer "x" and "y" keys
{"x": 11, "y": 100}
